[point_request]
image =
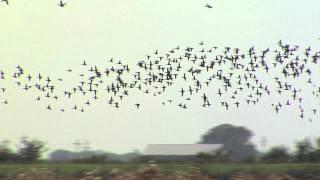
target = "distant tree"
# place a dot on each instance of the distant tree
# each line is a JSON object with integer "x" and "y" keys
{"x": 6, "y": 154}
{"x": 221, "y": 155}
{"x": 31, "y": 150}
{"x": 95, "y": 159}
{"x": 314, "y": 156}
{"x": 317, "y": 144}
{"x": 61, "y": 155}
{"x": 277, "y": 154}
{"x": 303, "y": 150}
{"x": 91, "y": 156}
{"x": 235, "y": 140}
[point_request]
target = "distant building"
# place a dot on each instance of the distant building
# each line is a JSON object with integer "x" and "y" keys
{"x": 176, "y": 152}
{"x": 181, "y": 149}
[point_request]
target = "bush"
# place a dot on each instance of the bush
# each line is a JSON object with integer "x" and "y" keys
{"x": 31, "y": 150}
{"x": 95, "y": 159}
{"x": 6, "y": 154}
{"x": 277, "y": 154}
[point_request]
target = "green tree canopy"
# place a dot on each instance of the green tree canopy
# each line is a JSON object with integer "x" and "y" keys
{"x": 277, "y": 154}
{"x": 31, "y": 150}
{"x": 303, "y": 150}
{"x": 236, "y": 139}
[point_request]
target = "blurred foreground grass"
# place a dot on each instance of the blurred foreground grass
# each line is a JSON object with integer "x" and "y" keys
{"x": 220, "y": 170}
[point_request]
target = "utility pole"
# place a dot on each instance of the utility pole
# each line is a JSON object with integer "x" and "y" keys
{"x": 77, "y": 145}
{"x": 263, "y": 143}
{"x": 86, "y": 145}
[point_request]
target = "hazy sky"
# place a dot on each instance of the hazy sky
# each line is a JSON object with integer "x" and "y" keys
{"x": 42, "y": 37}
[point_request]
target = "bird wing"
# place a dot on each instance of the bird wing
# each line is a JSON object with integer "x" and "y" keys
{"x": 208, "y": 6}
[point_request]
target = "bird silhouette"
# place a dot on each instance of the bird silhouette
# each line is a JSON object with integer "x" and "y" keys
{"x": 6, "y": 1}
{"x": 208, "y": 6}
{"x": 62, "y": 4}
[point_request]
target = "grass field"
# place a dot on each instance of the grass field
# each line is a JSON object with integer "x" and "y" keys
{"x": 208, "y": 169}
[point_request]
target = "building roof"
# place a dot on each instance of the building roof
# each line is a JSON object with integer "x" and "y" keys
{"x": 180, "y": 149}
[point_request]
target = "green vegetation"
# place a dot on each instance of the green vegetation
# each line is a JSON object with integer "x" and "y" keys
{"x": 64, "y": 169}
{"x": 290, "y": 168}
{"x": 217, "y": 170}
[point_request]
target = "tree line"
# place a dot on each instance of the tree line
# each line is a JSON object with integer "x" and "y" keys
{"x": 235, "y": 140}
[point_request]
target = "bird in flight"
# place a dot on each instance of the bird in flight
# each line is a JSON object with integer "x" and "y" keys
{"x": 62, "y": 4}
{"x": 6, "y": 1}
{"x": 208, "y": 6}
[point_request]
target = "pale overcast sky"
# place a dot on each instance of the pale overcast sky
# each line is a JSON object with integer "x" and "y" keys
{"x": 42, "y": 37}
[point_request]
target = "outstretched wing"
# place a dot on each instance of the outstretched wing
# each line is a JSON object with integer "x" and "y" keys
{"x": 208, "y": 6}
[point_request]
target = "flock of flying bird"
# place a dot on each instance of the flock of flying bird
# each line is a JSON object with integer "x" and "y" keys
{"x": 231, "y": 76}
{"x": 63, "y": 4}
{"x": 204, "y": 76}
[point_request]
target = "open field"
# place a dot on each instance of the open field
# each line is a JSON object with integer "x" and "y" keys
{"x": 211, "y": 170}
